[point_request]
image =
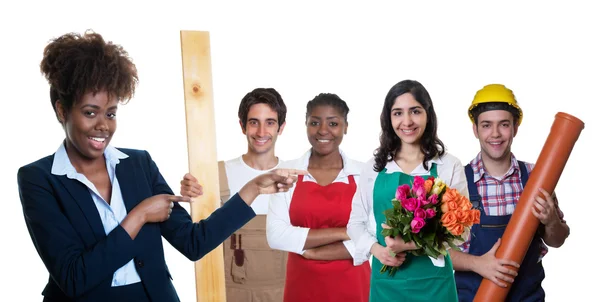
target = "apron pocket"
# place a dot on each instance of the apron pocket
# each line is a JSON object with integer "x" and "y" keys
{"x": 238, "y": 272}
{"x": 265, "y": 264}
{"x": 274, "y": 294}
{"x": 255, "y": 262}
{"x": 493, "y": 226}
{"x": 238, "y": 295}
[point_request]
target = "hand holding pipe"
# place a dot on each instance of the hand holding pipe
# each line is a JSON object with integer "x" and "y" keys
{"x": 523, "y": 225}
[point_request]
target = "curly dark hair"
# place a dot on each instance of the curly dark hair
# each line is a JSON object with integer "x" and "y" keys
{"x": 76, "y": 64}
{"x": 389, "y": 142}
{"x": 267, "y": 96}
{"x": 328, "y": 99}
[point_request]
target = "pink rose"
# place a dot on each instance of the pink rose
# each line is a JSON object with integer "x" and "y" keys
{"x": 419, "y": 187}
{"x": 418, "y": 182}
{"x": 420, "y": 213}
{"x": 425, "y": 201}
{"x": 410, "y": 204}
{"x": 420, "y": 192}
{"x": 417, "y": 224}
{"x": 433, "y": 199}
{"x": 429, "y": 213}
{"x": 402, "y": 192}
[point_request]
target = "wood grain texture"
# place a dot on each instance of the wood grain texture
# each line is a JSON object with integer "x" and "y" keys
{"x": 202, "y": 153}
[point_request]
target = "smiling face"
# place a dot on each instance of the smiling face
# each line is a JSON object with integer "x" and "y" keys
{"x": 495, "y": 131}
{"x": 409, "y": 119}
{"x": 262, "y": 129}
{"x": 325, "y": 128}
{"x": 89, "y": 126}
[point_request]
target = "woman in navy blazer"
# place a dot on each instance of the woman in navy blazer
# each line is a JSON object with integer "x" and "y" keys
{"x": 95, "y": 213}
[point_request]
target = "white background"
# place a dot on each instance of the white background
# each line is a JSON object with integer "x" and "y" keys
{"x": 547, "y": 52}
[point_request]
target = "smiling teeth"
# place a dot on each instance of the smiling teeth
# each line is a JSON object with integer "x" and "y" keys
{"x": 323, "y": 140}
{"x": 98, "y": 139}
{"x": 408, "y": 131}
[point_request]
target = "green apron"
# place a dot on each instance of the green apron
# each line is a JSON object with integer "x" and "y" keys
{"x": 417, "y": 279}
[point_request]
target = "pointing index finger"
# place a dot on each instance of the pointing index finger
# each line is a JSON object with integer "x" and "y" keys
{"x": 176, "y": 198}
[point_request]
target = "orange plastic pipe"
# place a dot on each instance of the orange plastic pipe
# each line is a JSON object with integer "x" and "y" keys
{"x": 523, "y": 225}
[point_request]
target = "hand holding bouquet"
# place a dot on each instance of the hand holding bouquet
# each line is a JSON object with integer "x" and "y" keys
{"x": 431, "y": 215}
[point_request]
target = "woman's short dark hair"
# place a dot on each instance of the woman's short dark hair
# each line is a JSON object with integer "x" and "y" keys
{"x": 328, "y": 99}
{"x": 76, "y": 64}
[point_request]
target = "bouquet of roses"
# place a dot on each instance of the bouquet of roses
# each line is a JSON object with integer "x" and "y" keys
{"x": 430, "y": 214}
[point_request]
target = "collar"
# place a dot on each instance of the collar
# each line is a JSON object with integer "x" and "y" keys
{"x": 479, "y": 169}
{"x": 350, "y": 167}
{"x": 392, "y": 166}
{"x": 61, "y": 165}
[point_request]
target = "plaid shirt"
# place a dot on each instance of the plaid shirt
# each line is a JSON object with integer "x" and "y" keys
{"x": 499, "y": 197}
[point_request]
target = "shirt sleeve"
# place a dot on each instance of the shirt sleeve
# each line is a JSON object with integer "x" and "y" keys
{"x": 350, "y": 247}
{"x": 281, "y": 234}
{"x": 458, "y": 181}
{"x": 76, "y": 268}
{"x": 361, "y": 224}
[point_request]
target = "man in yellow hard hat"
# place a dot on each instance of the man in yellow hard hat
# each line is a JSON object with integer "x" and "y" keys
{"x": 496, "y": 180}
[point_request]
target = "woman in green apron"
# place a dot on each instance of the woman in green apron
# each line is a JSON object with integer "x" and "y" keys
{"x": 409, "y": 146}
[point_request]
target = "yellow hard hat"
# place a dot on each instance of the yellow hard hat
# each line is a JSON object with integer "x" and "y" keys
{"x": 495, "y": 93}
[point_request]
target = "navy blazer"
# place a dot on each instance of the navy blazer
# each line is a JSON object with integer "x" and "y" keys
{"x": 67, "y": 231}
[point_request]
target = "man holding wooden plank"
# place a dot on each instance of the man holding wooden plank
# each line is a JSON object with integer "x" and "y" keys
{"x": 254, "y": 271}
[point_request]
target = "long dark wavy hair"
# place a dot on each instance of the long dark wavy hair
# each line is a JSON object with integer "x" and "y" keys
{"x": 390, "y": 143}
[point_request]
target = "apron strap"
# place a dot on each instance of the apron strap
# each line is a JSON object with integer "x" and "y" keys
{"x": 474, "y": 196}
{"x": 524, "y": 173}
{"x": 433, "y": 171}
{"x": 225, "y": 194}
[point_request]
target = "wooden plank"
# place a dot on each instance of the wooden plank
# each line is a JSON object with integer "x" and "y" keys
{"x": 202, "y": 154}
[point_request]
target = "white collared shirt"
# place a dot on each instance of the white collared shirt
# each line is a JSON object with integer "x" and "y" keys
{"x": 362, "y": 226}
{"x": 281, "y": 234}
{"x": 111, "y": 215}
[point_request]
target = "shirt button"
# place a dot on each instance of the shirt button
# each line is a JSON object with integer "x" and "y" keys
{"x": 140, "y": 263}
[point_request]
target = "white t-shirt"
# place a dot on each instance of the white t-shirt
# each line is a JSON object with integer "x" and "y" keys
{"x": 238, "y": 174}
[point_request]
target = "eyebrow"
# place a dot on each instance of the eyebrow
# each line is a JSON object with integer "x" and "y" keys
{"x": 98, "y": 107}
{"x": 328, "y": 118}
{"x": 411, "y": 108}
{"x": 488, "y": 121}
{"x": 255, "y": 119}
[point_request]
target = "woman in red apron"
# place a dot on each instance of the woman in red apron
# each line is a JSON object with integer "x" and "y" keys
{"x": 309, "y": 221}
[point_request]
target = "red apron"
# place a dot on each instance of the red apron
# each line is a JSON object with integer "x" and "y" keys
{"x": 318, "y": 207}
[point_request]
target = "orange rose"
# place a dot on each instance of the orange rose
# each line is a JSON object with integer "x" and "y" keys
{"x": 474, "y": 216}
{"x": 463, "y": 217}
{"x": 428, "y": 185}
{"x": 464, "y": 204}
{"x": 450, "y": 194}
{"x": 450, "y": 205}
{"x": 449, "y": 219}
{"x": 456, "y": 229}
